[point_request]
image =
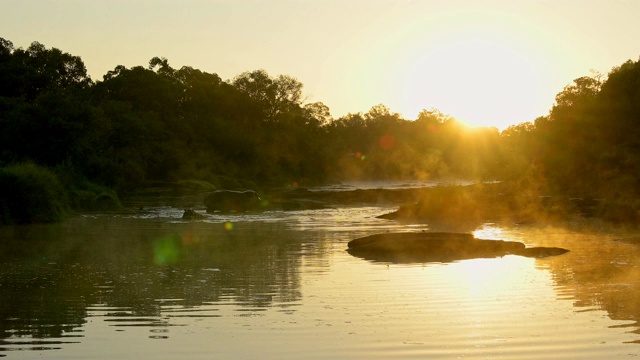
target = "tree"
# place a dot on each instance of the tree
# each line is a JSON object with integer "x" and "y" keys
{"x": 143, "y": 108}
{"x": 275, "y": 95}
{"x": 619, "y": 126}
{"x": 378, "y": 112}
{"x": 46, "y": 115}
{"x": 433, "y": 116}
{"x": 319, "y": 113}
{"x": 583, "y": 90}
{"x": 163, "y": 66}
{"x": 31, "y": 72}
{"x": 6, "y": 48}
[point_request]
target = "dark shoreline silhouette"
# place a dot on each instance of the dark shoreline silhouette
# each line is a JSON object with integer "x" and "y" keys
{"x": 156, "y": 123}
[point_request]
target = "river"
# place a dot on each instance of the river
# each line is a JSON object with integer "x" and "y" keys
{"x": 280, "y": 285}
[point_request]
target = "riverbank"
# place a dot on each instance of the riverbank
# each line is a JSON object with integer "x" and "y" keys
{"x": 506, "y": 203}
{"x": 33, "y": 194}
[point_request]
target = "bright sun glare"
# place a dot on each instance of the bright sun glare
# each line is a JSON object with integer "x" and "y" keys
{"x": 481, "y": 77}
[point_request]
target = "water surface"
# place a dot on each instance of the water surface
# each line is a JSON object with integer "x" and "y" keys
{"x": 280, "y": 285}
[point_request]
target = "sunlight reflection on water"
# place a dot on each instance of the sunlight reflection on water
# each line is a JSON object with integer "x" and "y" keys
{"x": 490, "y": 231}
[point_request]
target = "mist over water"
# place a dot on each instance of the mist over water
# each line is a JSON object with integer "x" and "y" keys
{"x": 281, "y": 285}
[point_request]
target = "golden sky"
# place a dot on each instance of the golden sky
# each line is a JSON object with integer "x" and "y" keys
{"x": 484, "y": 62}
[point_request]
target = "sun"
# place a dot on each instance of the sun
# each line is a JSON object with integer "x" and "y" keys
{"x": 480, "y": 77}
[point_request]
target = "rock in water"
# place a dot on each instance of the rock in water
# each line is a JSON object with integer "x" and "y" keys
{"x": 438, "y": 247}
{"x": 542, "y": 252}
{"x": 190, "y": 214}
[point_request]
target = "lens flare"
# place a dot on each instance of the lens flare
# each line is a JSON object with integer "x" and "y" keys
{"x": 387, "y": 142}
{"x": 166, "y": 250}
{"x": 188, "y": 238}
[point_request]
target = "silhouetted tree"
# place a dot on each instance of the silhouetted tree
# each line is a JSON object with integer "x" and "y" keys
{"x": 275, "y": 95}
{"x": 45, "y": 115}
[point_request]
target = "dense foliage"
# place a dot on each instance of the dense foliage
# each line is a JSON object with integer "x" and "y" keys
{"x": 31, "y": 193}
{"x": 161, "y": 123}
{"x": 588, "y": 145}
{"x": 157, "y": 123}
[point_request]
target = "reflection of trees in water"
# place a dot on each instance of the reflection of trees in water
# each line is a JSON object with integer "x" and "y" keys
{"x": 39, "y": 295}
{"x": 56, "y": 271}
{"x": 37, "y": 302}
{"x": 601, "y": 273}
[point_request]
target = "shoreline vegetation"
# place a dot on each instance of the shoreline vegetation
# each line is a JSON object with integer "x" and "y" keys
{"x": 464, "y": 208}
{"x": 70, "y": 144}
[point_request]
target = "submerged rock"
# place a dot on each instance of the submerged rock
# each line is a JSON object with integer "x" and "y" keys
{"x": 439, "y": 247}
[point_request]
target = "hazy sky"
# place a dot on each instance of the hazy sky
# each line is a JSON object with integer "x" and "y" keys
{"x": 485, "y": 62}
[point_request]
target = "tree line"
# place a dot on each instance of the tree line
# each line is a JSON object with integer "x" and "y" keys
{"x": 589, "y": 143}
{"x": 158, "y": 123}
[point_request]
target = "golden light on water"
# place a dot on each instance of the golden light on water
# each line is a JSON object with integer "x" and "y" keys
{"x": 482, "y": 278}
{"x": 292, "y": 282}
{"x": 489, "y": 232}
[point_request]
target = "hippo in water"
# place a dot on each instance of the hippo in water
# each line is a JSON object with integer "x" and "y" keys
{"x": 231, "y": 200}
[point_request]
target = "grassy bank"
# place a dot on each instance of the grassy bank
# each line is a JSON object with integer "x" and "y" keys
{"x": 31, "y": 193}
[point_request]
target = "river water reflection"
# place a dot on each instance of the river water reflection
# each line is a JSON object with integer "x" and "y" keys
{"x": 280, "y": 285}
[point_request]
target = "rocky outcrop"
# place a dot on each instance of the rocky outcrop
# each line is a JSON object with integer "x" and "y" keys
{"x": 190, "y": 214}
{"x": 439, "y": 247}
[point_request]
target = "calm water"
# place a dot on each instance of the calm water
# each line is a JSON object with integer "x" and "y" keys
{"x": 281, "y": 286}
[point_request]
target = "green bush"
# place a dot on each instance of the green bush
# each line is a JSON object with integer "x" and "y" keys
{"x": 95, "y": 199}
{"x": 85, "y": 195}
{"x": 107, "y": 201}
{"x": 31, "y": 194}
